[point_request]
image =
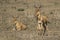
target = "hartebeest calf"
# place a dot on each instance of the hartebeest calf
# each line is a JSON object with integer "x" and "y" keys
{"x": 19, "y": 25}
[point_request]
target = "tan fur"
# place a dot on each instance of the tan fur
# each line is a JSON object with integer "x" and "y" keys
{"x": 42, "y": 20}
{"x": 40, "y": 26}
{"x": 19, "y": 25}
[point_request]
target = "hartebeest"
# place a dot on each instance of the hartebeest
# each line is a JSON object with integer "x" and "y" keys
{"x": 42, "y": 20}
{"x": 19, "y": 25}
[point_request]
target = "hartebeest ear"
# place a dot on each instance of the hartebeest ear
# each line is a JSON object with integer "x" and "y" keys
{"x": 37, "y": 6}
{"x": 40, "y": 6}
{"x": 15, "y": 17}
